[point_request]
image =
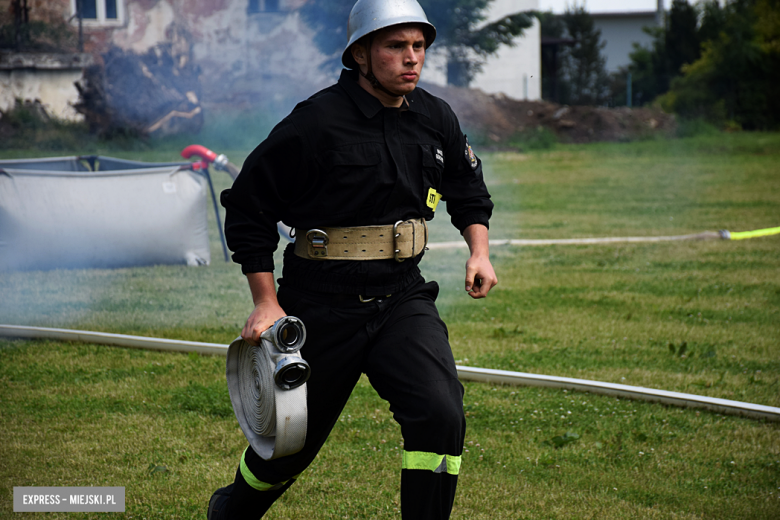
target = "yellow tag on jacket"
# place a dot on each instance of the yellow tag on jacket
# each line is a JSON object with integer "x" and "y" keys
{"x": 433, "y": 199}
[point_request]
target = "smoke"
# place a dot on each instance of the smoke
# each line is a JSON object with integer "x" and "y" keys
{"x": 225, "y": 72}
{"x": 200, "y": 305}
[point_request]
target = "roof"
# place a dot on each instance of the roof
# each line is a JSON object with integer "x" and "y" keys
{"x": 625, "y": 14}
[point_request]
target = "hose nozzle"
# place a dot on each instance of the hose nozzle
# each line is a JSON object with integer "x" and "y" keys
{"x": 287, "y": 336}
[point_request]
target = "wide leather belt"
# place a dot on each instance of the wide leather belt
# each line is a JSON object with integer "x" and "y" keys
{"x": 402, "y": 240}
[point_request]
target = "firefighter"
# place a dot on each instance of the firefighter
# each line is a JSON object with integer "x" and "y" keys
{"x": 357, "y": 170}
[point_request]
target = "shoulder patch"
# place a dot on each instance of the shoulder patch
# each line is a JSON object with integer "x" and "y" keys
{"x": 469, "y": 153}
{"x": 440, "y": 156}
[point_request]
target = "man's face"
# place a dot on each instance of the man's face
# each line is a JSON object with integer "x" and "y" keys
{"x": 397, "y": 57}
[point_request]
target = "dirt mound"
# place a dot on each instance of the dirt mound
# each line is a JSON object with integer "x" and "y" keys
{"x": 500, "y": 119}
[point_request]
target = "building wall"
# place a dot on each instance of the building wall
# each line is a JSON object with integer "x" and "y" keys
{"x": 258, "y": 54}
{"x": 620, "y": 31}
{"x": 243, "y": 55}
{"x": 54, "y": 88}
{"x": 513, "y": 71}
{"x": 250, "y": 56}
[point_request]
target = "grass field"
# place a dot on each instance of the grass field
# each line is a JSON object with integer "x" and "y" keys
{"x": 696, "y": 317}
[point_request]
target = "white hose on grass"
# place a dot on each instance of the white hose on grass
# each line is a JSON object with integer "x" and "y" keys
{"x": 116, "y": 340}
{"x": 485, "y": 375}
{"x": 706, "y": 235}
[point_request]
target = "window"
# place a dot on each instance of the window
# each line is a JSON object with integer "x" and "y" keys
{"x": 263, "y": 6}
{"x": 98, "y": 12}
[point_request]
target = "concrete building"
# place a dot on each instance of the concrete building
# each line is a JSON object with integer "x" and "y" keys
{"x": 620, "y": 31}
{"x": 45, "y": 77}
{"x": 245, "y": 49}
{"x": 621, "y": 24}
{"x": 514, "y": 71}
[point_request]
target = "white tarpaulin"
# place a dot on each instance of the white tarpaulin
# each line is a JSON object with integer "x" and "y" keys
{"x": 58, "y": 213}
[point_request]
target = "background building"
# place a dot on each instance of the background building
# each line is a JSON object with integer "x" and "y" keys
{"x": 620, "y": 22}
{"x": 620, "y": 31}
{"x": 514, "y": 71}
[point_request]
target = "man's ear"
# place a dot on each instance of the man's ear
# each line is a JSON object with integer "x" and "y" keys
{"x": 359, "y": 54}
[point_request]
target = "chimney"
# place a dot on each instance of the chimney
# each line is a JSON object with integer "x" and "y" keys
{"x": 659, "y": 13}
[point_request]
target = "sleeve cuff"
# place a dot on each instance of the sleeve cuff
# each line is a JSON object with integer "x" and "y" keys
{"x": 261, "y": 264}
{"x": 475, "y": 218}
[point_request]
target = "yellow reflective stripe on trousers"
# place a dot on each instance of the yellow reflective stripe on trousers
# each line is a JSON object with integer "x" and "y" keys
{"x": 431, "y": 462}
{"x": 453, "y": 464}
{"x": 259, "y": 484}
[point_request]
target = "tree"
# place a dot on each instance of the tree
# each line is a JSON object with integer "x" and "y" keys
{"x": 676, "y": 44}
{"x": 466, "y": 40}
{"x": 584, "y": 65}
{"x": 573, "y": 66}
{"x": 39, "y": 28}
{"x": 738, "y": 71}
{"x": 552, "y": 31}
{"x": 682, "y": 41}
{"x": 328, "y": 20}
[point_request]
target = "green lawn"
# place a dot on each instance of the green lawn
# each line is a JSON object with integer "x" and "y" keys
{"x": 696, "y": 317}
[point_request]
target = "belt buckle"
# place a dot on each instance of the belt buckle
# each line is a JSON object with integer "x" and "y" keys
{"x": 318, "y": 241}
{"x": 396, "y": 234}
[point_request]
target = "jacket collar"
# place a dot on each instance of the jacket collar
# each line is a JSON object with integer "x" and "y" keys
{"x": 368, "y": 104}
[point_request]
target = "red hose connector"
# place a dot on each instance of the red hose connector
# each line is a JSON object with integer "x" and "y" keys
{"x": 220, "y": 161}
{"x": 200, "y": 151}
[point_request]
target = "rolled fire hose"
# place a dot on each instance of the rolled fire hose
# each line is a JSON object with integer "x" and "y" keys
{"x": 267, "y": 386}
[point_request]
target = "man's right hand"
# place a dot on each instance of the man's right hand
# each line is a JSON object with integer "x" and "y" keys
{"x": 262, "y": 318}
{"x": 267, "y": 309}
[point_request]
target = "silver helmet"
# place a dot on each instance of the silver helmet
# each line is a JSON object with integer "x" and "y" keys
{"x": 368, "y": 16}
